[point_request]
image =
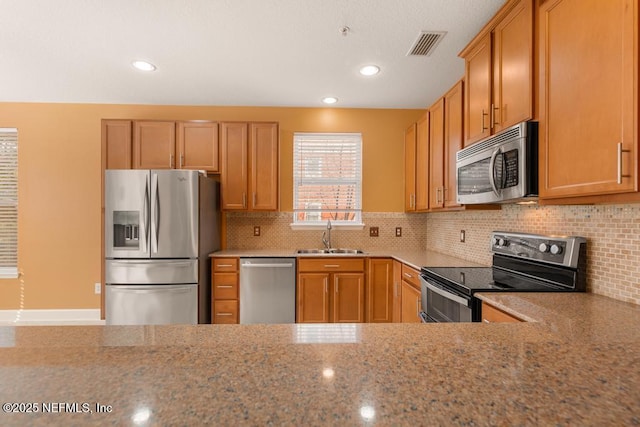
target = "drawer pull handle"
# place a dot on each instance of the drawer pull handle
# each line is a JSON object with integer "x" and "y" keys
{"x": 332, "y": 265}
{"x": 486, "y": 321}
{"x": 224, "y": 286}
{"x": 408, "y": 275}
{"x": 224, "y": 314}
{"x": 224, "y": 265}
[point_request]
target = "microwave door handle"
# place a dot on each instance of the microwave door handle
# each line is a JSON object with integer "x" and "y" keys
{"x": 492, "y": 171}
{"x": 446, "y": 294}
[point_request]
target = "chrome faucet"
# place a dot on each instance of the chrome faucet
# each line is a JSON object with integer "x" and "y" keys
{"x": 326, "y": 236}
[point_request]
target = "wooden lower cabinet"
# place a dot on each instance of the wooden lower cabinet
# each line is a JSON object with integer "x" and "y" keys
{"x": 330, "y": 290}
{"x": 410, "y": 295}
{"x": 396, "y": 312}
{"x": 491, "y": 314}
{"x": 225, "y": 290}
{"x": 380, "y": 290}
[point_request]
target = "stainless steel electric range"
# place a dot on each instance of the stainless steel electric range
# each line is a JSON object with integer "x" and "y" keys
{"x": 521, "y": 263}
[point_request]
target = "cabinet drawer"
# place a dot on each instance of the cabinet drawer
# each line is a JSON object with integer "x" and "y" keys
{"x": 225, "y": 264}
{"x": 411, "y": 275}
{"x": 225, "y": 311}
{"x": 490, "y": 314}
{"x": 225, "y": 286}
{"x": 331, "y": 264}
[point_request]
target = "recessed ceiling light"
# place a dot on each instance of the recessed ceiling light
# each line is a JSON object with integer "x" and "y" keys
{"x": 369, "y": 70}
{"x": 144, "y": 65}
{"x": 330, "y": 100}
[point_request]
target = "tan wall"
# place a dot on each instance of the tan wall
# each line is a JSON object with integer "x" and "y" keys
{"x": 59, "y": 182}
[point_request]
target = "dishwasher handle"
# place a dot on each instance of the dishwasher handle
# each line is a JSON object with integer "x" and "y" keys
{"x": 288, "y": 265}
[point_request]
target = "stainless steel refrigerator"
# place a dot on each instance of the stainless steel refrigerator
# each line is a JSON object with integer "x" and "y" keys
{"x": 160, "y": 226}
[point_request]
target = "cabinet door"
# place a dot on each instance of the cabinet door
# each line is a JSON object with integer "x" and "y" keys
{"x": 477, "y": 91}
{"x": 491, "y": 314}
{"x": 154, "y": 145}
{"x": 116, "y": 140}
{"x": 348, "y": 297}
{"x": 312, "y": 298}
{"x": 264, "y": 166}
{"x": 588, "y": 97}
{"x": 422, "y": 163}
{"x": 410, "y": 304}
{"x": 234, "y": 179}
{"x": 380, "y": 297}
{"x": 453, "y": 141}
{"x": 198, "y": 146}
{"x": 397, "y": 284}
{"x": 513, "y": 68}
{"x": 410, "y": 169}
{"x": 436, "y": 155}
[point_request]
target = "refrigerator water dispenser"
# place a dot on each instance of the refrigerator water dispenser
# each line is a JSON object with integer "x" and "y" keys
{"x": 126, "y": 230}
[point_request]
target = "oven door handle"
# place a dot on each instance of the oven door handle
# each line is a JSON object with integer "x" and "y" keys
{"x": 492, "y": 171}
{"x": 446, "y": 294}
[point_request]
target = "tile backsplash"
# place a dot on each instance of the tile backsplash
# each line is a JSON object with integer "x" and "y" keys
{"x": 612, "y": 232}
{"x": 275, "y": 232}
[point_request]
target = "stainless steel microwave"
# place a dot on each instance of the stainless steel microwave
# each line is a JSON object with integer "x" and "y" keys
{"x": 501, "y": 168}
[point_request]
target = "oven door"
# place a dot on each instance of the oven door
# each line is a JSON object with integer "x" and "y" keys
{"x": 442, "y": 305}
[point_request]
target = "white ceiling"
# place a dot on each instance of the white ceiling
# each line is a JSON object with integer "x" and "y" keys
{"x": 233, "y": 52}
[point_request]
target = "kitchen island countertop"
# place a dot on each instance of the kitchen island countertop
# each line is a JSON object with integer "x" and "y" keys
{"x": 575, "y": 364}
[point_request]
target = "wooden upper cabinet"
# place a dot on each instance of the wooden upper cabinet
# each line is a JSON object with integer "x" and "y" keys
{"x": 410, "y": 168}
{"x": 197, "y": 146}
{"x": 154, "y": 145}
{"x": 380, "y": 290}
{"x": 453, "y": 140}
{"x": 234, "y": 179}
{"x": 499, "y": 73}
{"x": 422, "y": 163}
{"x": 477, "y": 91}
{"x": 416, "y": 152}
{"x": 436, "y": 155}
{"x": 249, "y": 178}
{"x": 263, "y": 143}
{"x": 588, "y": 99}
{"x": 513, "y": 68}
{"x": 116, "y": 142}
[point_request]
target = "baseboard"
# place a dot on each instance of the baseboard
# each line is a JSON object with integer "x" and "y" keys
{"x": 51, "y": 317}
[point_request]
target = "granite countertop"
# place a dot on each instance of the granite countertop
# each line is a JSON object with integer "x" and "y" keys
{"x": 415, "y": 259}
{"x": 575, "y": 363}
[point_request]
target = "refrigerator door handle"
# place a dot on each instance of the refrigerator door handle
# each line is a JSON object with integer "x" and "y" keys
{"x": 146, "y": 214}
{"x": 155, "y": 228}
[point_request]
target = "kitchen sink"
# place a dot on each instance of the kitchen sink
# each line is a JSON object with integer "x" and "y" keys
{"x": 333, "y": 251}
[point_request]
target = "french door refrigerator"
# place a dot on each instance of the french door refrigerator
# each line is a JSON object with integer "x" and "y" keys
{"x": 160, "y": 226}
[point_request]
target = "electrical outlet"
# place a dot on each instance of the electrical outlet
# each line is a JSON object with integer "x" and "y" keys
{"x": 97, "y": 288}
{"x": 256, "y": 230}
{"x": 373, "y": 231}
{"x": 398, "y": 231}
{"x": 462, "y": 236}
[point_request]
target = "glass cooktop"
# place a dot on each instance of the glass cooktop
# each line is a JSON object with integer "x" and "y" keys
{"x": 469, "y": 280}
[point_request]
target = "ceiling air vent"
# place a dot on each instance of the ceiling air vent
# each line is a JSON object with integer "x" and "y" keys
{"x": 426, "y": 43}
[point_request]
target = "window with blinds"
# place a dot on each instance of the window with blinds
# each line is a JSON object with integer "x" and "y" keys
{"x": 327, "y": 178}
{"x": 8, "y": 203}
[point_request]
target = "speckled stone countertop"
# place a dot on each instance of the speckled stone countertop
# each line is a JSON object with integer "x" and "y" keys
{"x": 416, "y": 259}
{"x": 577, "y": 363}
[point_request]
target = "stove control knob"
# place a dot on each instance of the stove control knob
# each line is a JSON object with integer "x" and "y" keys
{"x": 543, "y": 247}
{"x": 556, "y": 249}
{"x": 496, "y": 241}
{"x": 503, "y": 242}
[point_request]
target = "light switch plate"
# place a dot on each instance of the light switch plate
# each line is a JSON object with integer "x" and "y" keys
{"x": 398, "y": 231}
{"x": 256, "y": 230}
{"x": 373, "y": 231}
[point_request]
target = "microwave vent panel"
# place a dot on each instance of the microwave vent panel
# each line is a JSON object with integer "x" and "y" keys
{"x": 510, "y": 134}
{"x": 426, "y": 43}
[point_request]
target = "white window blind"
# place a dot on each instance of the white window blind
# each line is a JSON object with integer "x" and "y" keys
{"x": 327, "y": 178}
{"x": 8, "y": 203}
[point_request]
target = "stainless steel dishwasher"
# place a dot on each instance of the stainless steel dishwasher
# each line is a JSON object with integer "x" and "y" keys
{"x": 267, "y": 290}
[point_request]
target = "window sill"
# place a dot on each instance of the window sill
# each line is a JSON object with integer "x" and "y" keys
{"x": 323, "y": 226}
